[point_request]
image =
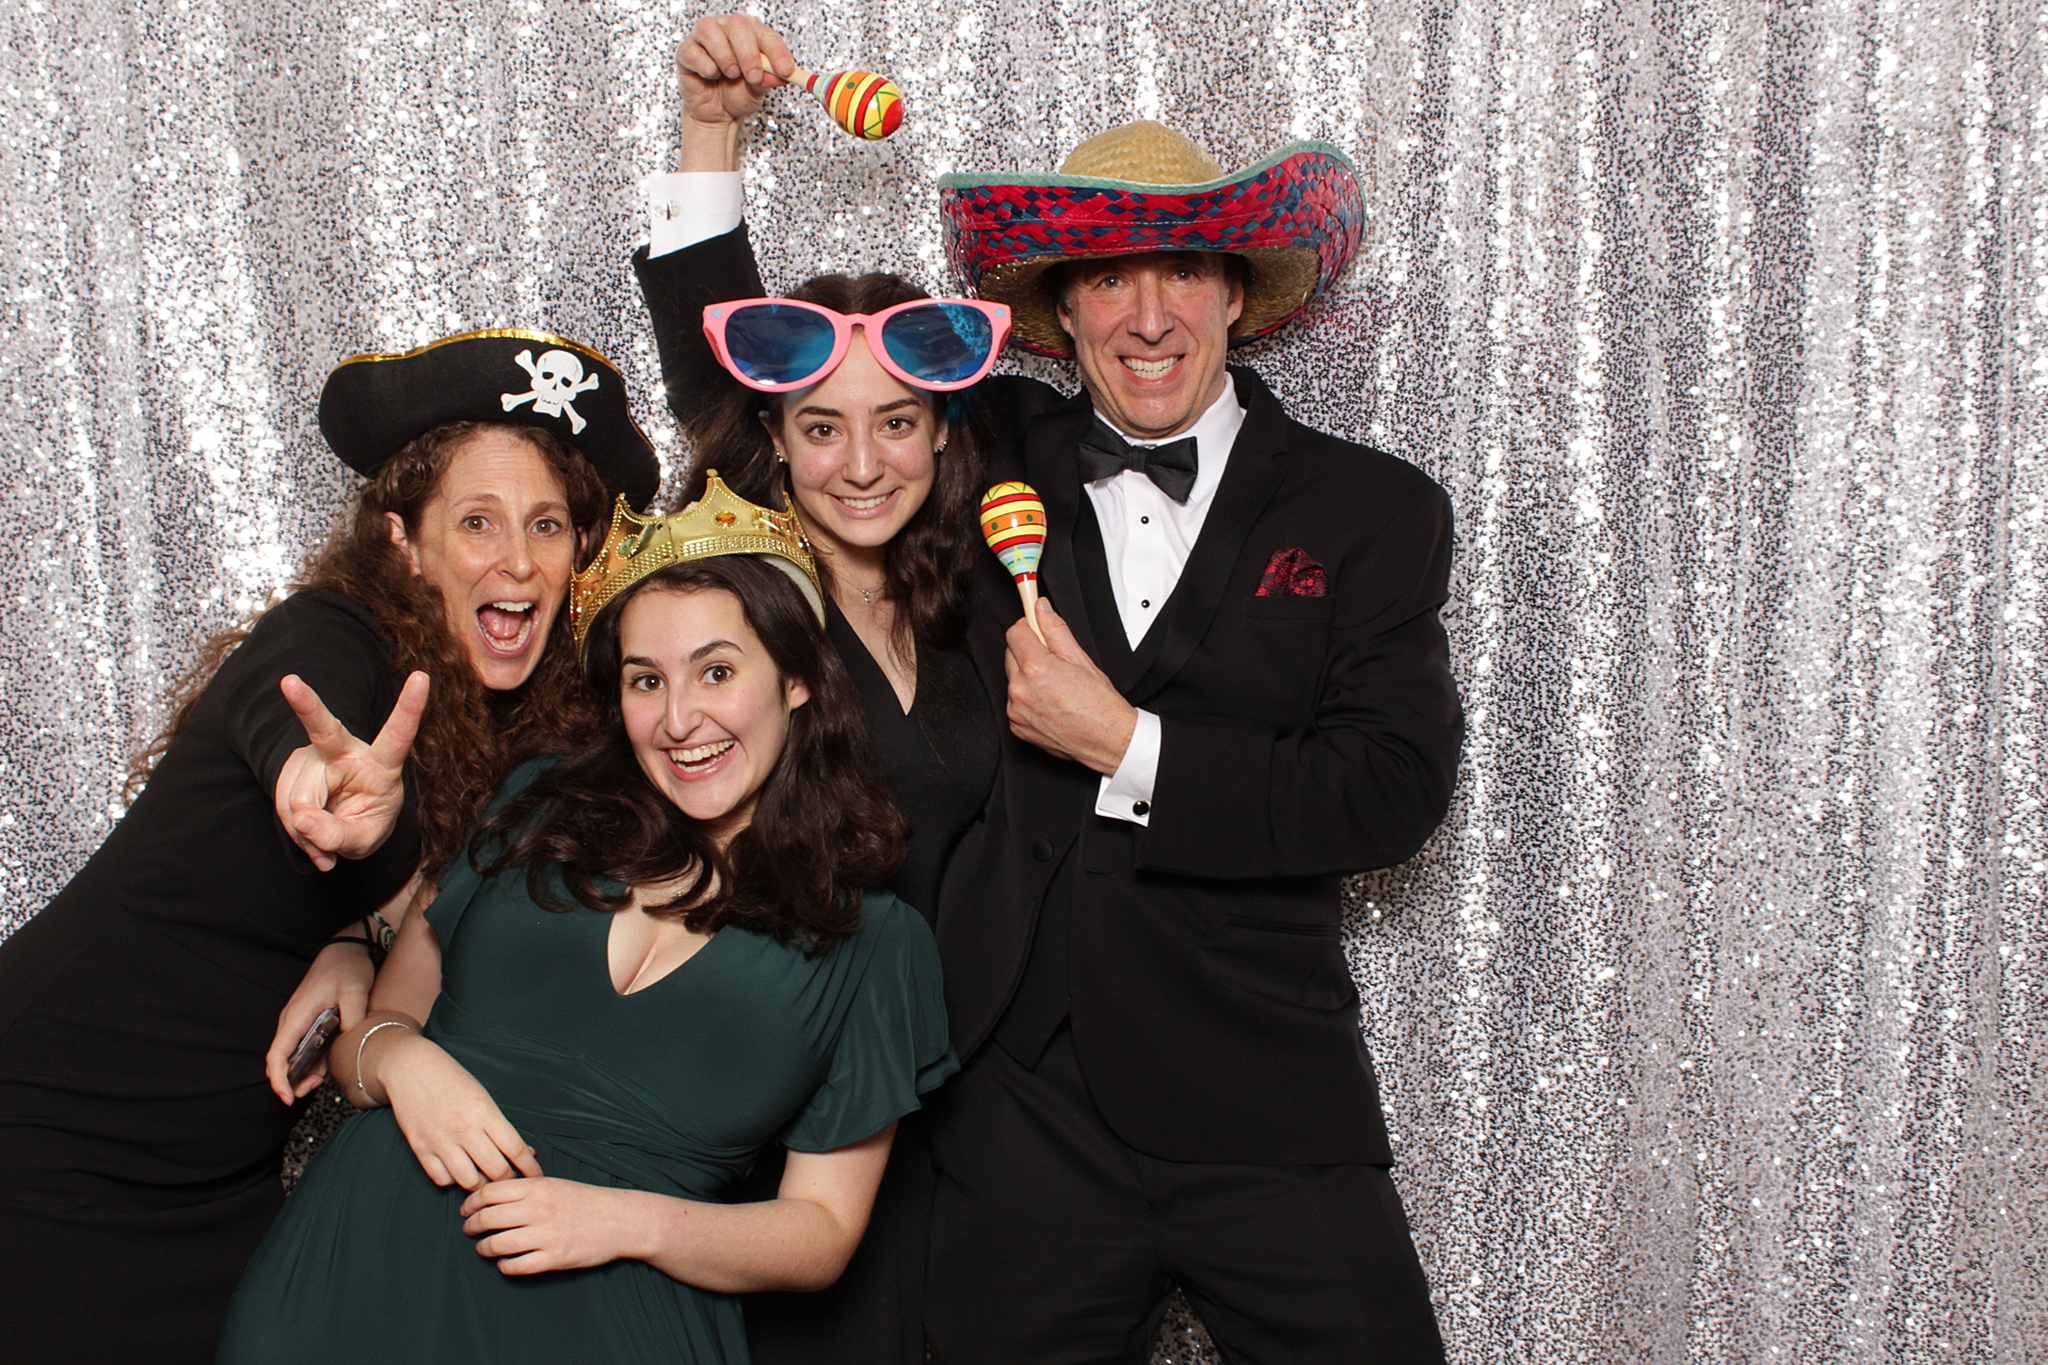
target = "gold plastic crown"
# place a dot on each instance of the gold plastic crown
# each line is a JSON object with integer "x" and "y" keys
{"x": 719, "y": 523}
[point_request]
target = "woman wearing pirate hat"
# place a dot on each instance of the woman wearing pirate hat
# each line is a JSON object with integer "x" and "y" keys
{"x": 140, "y": 1135}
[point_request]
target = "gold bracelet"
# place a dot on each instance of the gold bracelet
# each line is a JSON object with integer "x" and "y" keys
{"x": 364, "y": 1042}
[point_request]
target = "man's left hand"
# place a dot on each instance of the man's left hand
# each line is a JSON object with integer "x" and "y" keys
{"x": 1060, "y": 701}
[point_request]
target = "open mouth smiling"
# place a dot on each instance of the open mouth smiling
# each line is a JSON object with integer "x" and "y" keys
{"x": 1150, "y": 369}
{"x": 865, "y": 504}
{"x": 507, "y": 626}
{"x": 699, "y": 759}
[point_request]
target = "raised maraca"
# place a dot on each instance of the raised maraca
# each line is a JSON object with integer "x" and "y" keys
{"x": 1013, "y": 524}
{"x": 864, "y": 104}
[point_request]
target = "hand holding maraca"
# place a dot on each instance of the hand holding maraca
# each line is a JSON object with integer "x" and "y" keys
{"x": 726, "y": 67}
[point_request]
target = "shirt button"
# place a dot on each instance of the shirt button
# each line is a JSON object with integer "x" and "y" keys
{"x": 1144, "y": 601}
{"x": 1141, "y": 807}
{"x": 1042, "y": 850}
{"x": 1144, "y": 521}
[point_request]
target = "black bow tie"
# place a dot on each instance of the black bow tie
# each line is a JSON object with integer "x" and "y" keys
{"x": 1104, "y": 452}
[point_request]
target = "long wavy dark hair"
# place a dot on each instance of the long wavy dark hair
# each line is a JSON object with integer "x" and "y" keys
{"x": 929, "y": 563}
{"x": 470, "y": 735}
{"x": 823, "y": 828}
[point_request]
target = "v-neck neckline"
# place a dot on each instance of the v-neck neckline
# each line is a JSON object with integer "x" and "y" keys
{"x": 868, "y": 670}
{"x": 605, "y": 960}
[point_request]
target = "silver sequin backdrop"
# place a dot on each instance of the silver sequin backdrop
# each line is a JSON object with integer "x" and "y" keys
{"x": 1711, "y": 1023}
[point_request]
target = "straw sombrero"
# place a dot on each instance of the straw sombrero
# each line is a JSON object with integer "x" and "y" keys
{"x": 1295, "y": 217}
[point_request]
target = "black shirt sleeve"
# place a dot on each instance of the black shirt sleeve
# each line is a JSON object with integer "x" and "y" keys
{"x": 677, "y": 286}
{"x": 331, "y": 643}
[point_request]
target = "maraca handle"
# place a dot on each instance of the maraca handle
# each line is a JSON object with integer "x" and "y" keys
{"x": 1027, "y": 588}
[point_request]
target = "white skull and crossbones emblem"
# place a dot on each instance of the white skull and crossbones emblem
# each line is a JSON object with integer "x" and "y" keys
{"x": 557, "y": 379}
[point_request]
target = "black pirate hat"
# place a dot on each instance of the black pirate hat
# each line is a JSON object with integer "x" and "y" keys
{"x": 372, "y": 405}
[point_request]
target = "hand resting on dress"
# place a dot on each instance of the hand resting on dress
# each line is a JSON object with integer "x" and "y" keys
{"x": 451, "y": 1122}
{"x": 800, "y": 1240}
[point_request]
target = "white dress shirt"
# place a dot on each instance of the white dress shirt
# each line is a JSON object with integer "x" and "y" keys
{"x": 688, "y": 207}
{"x": 1146, "y": 536}
{"x": 1146, "y": 540}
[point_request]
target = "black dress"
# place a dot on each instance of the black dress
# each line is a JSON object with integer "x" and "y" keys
{"x": 139, "y": 1141}
{"x": 939, "y": 762}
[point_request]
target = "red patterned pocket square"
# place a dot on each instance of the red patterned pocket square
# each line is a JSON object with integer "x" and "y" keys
{"x": 1293, "y": 573}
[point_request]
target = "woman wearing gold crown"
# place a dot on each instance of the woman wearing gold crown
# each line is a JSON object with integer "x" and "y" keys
{"x": 852, "y": 398}
{"x": 139, "y": 1135}
{"x": 657, "y": 957}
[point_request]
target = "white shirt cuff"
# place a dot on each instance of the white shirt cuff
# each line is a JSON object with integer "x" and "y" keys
{"x": 1126, "y": 794}
{"x": 688, "y": 207}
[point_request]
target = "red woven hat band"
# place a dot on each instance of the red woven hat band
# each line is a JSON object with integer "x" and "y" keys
{"x": 1296, "y": 219}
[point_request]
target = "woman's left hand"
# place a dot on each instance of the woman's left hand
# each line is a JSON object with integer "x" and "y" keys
{"x": 536, "y": 1225}
{"x": 341, "y": 976}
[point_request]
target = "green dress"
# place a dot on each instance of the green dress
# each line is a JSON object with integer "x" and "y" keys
{"x": 673, "y": 1088}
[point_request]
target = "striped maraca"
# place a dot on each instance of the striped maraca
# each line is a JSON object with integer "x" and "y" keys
{"x": 864, "y": 104}
{"x": 1013, "y": 524}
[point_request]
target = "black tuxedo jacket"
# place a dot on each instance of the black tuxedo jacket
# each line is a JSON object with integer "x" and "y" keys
{"x": 1302, "y": 738}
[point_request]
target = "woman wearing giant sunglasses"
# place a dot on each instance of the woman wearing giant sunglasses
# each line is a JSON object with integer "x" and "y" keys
{"x": 854, "y": 399}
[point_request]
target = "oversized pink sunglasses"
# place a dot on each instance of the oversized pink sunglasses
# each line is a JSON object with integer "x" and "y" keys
{"x": 776, "y": 345}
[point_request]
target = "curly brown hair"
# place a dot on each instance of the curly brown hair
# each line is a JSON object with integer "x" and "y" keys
{"x": 823, "y": 828}
{"x": 470, "y": 735}
{"x": 930, "y": 562}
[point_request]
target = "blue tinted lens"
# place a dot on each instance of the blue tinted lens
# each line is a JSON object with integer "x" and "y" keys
{"x": 940, "y": 343}
{"x": 772, "y": 343}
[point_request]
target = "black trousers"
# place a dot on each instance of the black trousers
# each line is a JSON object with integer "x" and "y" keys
{"x": 1056, "y": 1243}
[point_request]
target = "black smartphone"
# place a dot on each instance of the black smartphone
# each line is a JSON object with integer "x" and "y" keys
{"x": 311, "y": 1044}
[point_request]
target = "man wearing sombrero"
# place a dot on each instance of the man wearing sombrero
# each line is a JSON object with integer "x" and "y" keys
{"x": 1245, "y": 695}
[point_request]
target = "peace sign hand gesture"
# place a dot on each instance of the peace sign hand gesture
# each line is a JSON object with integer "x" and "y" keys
{"x": 338, "y": 797}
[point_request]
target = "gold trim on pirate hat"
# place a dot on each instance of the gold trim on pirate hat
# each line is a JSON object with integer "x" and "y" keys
{"x": 373, "y": 404}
